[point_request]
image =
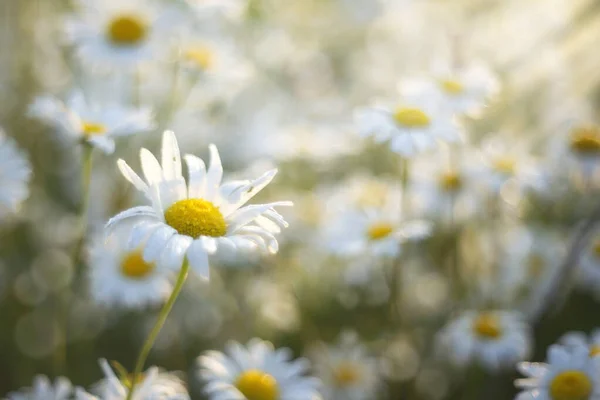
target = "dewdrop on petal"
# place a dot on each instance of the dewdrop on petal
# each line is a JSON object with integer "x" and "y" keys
{"x": 190, "y": 221}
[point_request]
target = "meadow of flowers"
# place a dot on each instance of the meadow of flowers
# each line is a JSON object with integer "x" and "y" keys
{"x": 299, "y": 200}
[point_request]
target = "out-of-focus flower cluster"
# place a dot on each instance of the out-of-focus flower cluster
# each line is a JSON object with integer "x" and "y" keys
{"x": 299, "y": 200}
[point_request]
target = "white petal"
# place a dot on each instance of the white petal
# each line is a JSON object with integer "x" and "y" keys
{"x": 197, "y": 176}
{"x": 156, "y": 242}
{"x": 140, "y": 211}
{"x": 198, "y": 259}
{"x": 245, "y": 215}
{"x": 214, "y": 175}
{"x": 173, "y": 254}
{"x": 151, "y": 167}
{"x": 171, "y": 157}
{"x": 131, "y": 176}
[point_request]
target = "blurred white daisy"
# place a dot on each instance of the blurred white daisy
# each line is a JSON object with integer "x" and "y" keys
{"x": 113, "y": 34}
{"x": 569, "y": 373}
{"x": 347, "y": 370}
{"x": 15, "y": 173}
{"x": 43, "y": 389}
{"x": 580, "y": 339}
{"x": 494, "y": 339}
{"x": 95, "y": 124}
{"x": 377, "y": 230}
{"x": 412, "y": 126}
{"x": 580, "y": 146}
{"x": 505, "y": 159}
{"x": 228, "y": 8}
{"x": 256, "y": 372}
{"x": 467, "y": 90}
{"x": 201, "y": 218}
{"x": 121, "y": 277}
{"x": 153, "y": 384}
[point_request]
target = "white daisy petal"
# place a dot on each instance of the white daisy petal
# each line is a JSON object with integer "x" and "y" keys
{"x": 171, "y": 158}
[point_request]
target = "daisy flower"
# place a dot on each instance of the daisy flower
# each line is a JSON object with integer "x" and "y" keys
{"x": 15, "y": 173}
{"x": 43, "y": 389}
{"x": 495, "y": 339}
{"x": 580, "y": 145}
{"x": 373, "y": 230}
{"x": 467, "y": 90}
{"x": 256, "y": 372}
{"x": 201, "y": 218}
{"x": 114, "y": 34}
{"x": 95, "y": 124}
{"x": 580, "y": 339}
{"x": 415, "y": 124}
{"x": 119, "y": 276}
{"x": 568, "y": 374}
{"x": 153, "y": 384}
{"x": 347, "y": 370}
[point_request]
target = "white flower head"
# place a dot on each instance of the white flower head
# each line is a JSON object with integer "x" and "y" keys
{"x": 113, "y": 34}
{"x": 43, "y": 389}
{"x": 377, "y": 230}
{"x": 256, "y": 372}
{"x": 95, "y": 124}
{"x": 580, "y": 339}
{"x": 153, "y": 384}
{"x": 414, "y": 125}
{"x": 120, "y": 277}
{"x": 579, "y": 144}
{"x": 15, "y": 173}
{"x": 194, "y": 220}
{"x": 495, "y": 339}
{"x": 347, "y": 370}
{"x": 569, "y": 373}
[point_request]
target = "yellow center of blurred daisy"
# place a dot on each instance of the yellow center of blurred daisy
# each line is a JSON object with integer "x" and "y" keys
{"x": 127, "y": 30}
{"x": 379, "y": 230}
{"x": 594, "y": 350}
{"x": 257, "y": 385}
{"x": 487, "y": 326}
{"x": 202, "y": 57}
{"x": 195, "y": 218}
{"x": 411, "y": 117}
{"x": 451, "y": 86}
{"x": 92, "y": 129}
{"x": 596, "y": 248}
{"x": 585, "y": 140}
{"x": 450, "y": 181}
{"x": 133, "y": 266}
{"x": 346, "y": 374}
{"x": 505, "y": 165}
{"x": 535, "y": 265}
{"x": 570, "y": 385}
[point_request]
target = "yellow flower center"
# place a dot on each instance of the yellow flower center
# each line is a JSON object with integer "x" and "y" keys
{"x": 451, "y": 86}
{"x": 133, "y": 266}
{"x": 257, "y": 385}
{"x": 346, "y": 374}
{"x": 202, "y": 57}
{"x": 535, "y": 265}
{"x": 451, "y": 181}
{"x": 195, "y": 218}
{"x": 379, "y": 230}
{"x": 505, "y": 165}
{"x": 487, "y": 326}
{"x": 92, "y": 129}
{"x": 570, "y": 385}
{"x": 411, "y": 117}
{"x": 596, "y": 248}
{"x": 127, "y": 30}
{"x": 594, "y": 350}
{"x": 585, "y": 140}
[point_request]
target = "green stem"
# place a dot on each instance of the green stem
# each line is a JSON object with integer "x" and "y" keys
{"x": 162, "y": 317}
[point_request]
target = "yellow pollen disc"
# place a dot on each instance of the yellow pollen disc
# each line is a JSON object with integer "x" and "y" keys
{"x": 127, "y": 30}
{"x": 535, "y": 265}
{"x": 133, "y": 266}
{"x": 451, "y": 181}
{"x": 411, "y": 117}
{"x": 570, "y": 385}
{"x": 487, "y": 326}
{"x": 92, "y": 129}
{"x": 346, "y": 374}
{"x": 585, "y": 140}
{"x": 451, "y": 86}
{"x": 195, "y": 218}
{"x": 505, "y": 165}
{"x": 379, "y": 230}
{"x": 257, "y": 385}
{"x": 596, "y": 248}
{"x": 202, "y": 57}
{"x": 594, "y": 350}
